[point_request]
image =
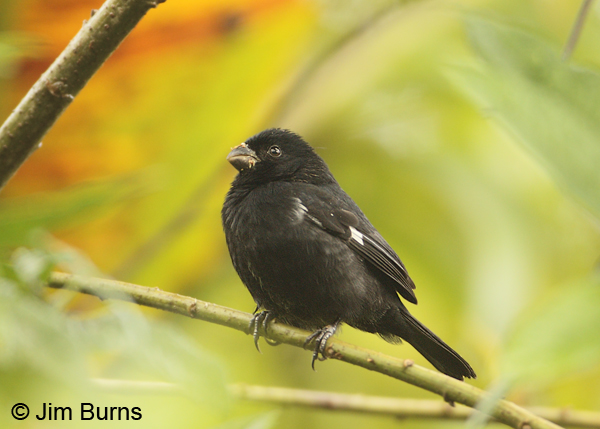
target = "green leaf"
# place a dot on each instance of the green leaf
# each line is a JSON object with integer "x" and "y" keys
{"x": 41, "y": 342}
{"x": 551, "y": 106}
{"x": 558, "y": 337}
{"x": 65, "y": 208}
{"x": 31, "y": 266}
{"x": 35, "y": 339}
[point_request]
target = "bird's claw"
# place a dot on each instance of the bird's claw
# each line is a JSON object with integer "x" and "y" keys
{"x": 320, "y": 337}
{"x": 253, "y": 327}
{"x": 259, "y": 320}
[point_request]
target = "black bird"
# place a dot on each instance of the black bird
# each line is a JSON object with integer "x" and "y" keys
{"x": 310, "y": 257}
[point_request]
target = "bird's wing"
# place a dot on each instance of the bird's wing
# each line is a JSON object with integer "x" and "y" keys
{"x": 324, "y": 211}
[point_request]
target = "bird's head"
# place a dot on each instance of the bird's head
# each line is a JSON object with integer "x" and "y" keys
{"x": 278, "y": 155}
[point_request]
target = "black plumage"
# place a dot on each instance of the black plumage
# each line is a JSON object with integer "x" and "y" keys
{"x": 310, "y": 257}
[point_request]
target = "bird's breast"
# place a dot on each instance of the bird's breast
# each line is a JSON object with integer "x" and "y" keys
{"x": 262, "y": 212}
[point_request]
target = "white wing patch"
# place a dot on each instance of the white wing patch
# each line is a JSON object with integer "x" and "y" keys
{"x": 356, "y": 236}
{"x": 299, "y": 211}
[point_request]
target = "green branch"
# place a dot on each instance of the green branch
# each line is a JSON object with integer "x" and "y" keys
{"x": 450, "y": 389}
{"x": 402, "y": 408}
{"x": 376, "y": 405}
{"x": 24, "y": 129}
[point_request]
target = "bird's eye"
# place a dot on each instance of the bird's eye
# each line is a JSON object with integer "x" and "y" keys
{"x": 275, "y": 151}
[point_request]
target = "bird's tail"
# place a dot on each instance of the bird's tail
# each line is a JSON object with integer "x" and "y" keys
{"x": 440, "y": 354}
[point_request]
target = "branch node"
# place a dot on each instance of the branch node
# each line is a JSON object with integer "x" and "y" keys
{"x": 449, "y": 401}
{"x": 58, "y": 89}
{"x": 332, "y": 354}
{"x": 155, "y": 3}
{"x": 407, "y": 363}
{"x": 192, "y": 308}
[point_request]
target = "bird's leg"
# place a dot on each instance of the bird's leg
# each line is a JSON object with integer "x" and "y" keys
{"x": 256, "y": 320}
{"x": 320, "y": 336}
{"x": 261, "y": 319}
{"x": 265, "y": 324}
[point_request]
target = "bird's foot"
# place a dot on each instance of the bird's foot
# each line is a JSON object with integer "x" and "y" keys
{"x": 261, "y": 319}
{"x": 320, "y": 337}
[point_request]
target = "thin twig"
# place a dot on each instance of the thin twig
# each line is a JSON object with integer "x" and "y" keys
{"x": 376, "y": 405}
{"x": 403, "y": 408}
{"x": 450, "y": 389}
{"x": 22, "y": 132}
{"x": 576, "y": 29}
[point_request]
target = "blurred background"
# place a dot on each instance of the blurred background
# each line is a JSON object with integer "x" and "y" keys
{"x": 454, "y": 125}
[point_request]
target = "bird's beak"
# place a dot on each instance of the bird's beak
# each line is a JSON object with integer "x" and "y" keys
{"x": 242, "y": 157}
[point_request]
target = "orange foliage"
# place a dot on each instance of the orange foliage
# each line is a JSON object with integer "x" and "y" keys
{"x": 75, "y": 149}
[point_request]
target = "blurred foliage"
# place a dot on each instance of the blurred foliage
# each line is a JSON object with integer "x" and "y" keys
{"x": 55, "y": 346}
{"x": 543, "y": 101}
{"x": 550, "y": 344}
{"x": 454, "y": 126}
